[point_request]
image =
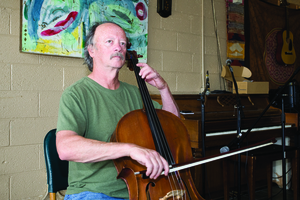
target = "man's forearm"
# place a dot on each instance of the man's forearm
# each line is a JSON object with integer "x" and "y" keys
{"x": 168, "y": 102}
{"x": 73, "y": 147}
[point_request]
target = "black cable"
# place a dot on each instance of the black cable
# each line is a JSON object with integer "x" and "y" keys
{"x": 285, "y": 173}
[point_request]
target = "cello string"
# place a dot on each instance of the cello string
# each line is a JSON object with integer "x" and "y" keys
{"x": 162, "y": 145}
{"x": 181, "y": 189}
{"x": 176, "y": 182}
{"x": 154, "y": 123}
{"x": 143, "y": 90}
{"x": 181, "y": 186}
{"x": 174, "y": 178}
{"x": 170, "y": 185}
{"x": 157, "y": 132}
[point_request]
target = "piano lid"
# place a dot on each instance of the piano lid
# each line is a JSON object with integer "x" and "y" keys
{"x": 222, "y": 106}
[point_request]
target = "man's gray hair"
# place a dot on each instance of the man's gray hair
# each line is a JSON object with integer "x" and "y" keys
{"x": 90, "y": 42}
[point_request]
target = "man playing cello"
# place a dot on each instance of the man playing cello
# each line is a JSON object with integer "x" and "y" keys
{"x": 89, "y": 112}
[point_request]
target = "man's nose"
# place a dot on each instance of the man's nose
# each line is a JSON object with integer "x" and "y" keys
{"x": 117, "y": 47}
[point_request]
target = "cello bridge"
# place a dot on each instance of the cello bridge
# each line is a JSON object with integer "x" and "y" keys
{"x": 175, "y": 194}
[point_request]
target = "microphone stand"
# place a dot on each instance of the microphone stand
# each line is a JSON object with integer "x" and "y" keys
{"x": 202, "y": 99}
{"x": 240, "y": 139}
{"x": 240, "y": 115}
{"x": 283, "y": 149}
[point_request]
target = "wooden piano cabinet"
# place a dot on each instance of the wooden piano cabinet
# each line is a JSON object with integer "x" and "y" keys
{"x": 292, "y": 119}
{"x": 220, "y": 116}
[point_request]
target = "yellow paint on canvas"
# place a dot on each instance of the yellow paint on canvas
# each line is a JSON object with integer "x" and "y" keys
{"x": 57, "y": 47}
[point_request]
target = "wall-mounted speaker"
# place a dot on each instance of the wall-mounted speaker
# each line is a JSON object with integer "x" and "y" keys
{"x": 164, "y": 7}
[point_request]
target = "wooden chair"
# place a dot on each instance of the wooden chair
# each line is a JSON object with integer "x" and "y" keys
{"x": 266, "y": 156}
{"x": 57, "y": 170}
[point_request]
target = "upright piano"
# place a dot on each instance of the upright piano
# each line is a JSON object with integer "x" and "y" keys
{"x": 221, "y": 127}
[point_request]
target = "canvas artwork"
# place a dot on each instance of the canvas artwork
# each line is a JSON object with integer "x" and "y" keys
{"x": 59, "y": 27}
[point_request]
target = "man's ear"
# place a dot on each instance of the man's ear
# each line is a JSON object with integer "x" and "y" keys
{"x": 91, "y": 50}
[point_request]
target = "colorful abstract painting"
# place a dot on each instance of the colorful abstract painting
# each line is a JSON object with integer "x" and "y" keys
{"x": 59, "y": 27}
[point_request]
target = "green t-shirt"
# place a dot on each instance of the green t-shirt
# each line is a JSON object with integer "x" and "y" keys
{"x": 93, "y": 111}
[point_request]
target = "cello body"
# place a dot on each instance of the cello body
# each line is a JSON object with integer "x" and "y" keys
{"x": 134, "y": 128}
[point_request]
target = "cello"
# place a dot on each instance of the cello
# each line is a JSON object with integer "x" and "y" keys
{"x": 164, "y": 132}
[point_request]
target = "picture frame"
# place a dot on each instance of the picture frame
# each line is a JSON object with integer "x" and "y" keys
{"x": 59, "y": 27}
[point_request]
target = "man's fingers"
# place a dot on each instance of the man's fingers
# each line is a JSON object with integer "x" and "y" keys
{"x": 153, "y": 161}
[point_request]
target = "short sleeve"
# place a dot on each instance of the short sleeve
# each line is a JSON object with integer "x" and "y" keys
{"x": 156, "y": 105}
{"x": 70, "y": 114}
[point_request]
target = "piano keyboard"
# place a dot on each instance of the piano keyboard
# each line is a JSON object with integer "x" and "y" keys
{"x": 245, "y": 130}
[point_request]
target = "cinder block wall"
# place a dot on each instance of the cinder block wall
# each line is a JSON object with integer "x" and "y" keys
{"x": 181, "y": 47}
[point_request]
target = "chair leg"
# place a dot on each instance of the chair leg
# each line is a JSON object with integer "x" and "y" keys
{"x": 251, "y": 177}
{"x": 269, "y": 178}
{"x": 52, "y": 196}
{"x": 225, "y": 179}
{"x": 295, "y": 174}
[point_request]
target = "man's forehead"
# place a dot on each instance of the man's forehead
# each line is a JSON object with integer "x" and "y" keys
{"x": 110, "y": 30}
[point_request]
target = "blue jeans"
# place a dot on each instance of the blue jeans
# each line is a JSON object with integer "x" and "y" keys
{"x": 89, "y": 196}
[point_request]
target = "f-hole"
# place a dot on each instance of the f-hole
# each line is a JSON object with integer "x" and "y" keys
{"x": 147, "y": 189}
